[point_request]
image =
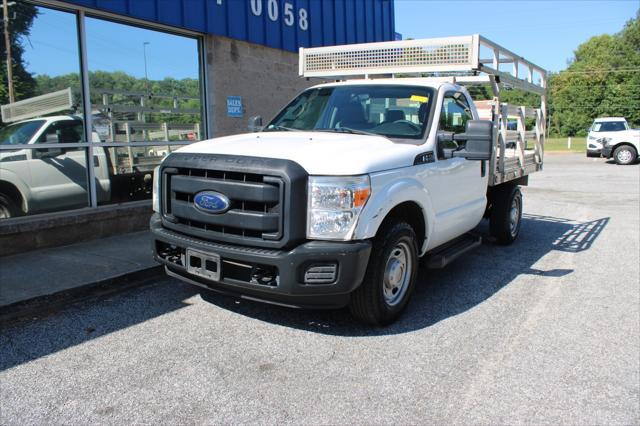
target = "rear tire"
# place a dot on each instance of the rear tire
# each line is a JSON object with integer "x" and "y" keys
{"x": 506, "y": 214}
{"x": 624, "y": 155}
{"x": 390, "y": 277}
{"x": 8, "y": 207}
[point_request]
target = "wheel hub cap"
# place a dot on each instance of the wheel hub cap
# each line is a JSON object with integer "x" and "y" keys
{"x": 397, "y": 274}
{"x": 514, "y": 216}
{"x": 624, "y": 156}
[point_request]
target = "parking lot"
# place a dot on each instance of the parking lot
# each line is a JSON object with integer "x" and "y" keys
{"x": 545, "y": 331}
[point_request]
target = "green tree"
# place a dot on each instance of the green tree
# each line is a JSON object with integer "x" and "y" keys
{"x": 603, "y": 79}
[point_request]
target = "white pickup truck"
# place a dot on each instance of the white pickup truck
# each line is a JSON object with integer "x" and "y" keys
{"x": 51, "y": 176}
{"x": 335, "y": 201}
{"x": 612, "y": 137}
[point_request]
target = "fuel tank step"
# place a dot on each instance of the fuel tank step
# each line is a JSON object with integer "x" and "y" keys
{"x": 447, "y": 253}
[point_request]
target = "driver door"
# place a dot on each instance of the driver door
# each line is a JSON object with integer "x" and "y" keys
{"x": 59, "y": 175}
{"x": 457, "y": 186}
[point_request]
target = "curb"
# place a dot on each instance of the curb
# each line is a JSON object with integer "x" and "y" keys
{"x": 41, "y": 306}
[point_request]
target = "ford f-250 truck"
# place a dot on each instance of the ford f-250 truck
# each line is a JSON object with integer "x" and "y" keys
{"x": 334, "y": 202}
{"x": 40, "y": 172}
{"x": 50, "y": 177}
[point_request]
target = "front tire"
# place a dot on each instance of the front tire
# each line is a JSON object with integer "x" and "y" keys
{"x": 390, "y": 277}
{"x": 506, "y": 214}
{"x": 8, "y": 207}
{"x": 624, "y": 155}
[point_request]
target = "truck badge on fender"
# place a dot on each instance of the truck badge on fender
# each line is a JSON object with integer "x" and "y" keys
{"x": 211, "y": 202}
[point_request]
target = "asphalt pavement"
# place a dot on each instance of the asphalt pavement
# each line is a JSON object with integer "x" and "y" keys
{"x": 546, "y": 331}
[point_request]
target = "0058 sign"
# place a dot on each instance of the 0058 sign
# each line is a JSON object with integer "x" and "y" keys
{"x": 288, "y": 13}
{"x": 273, "y": 12}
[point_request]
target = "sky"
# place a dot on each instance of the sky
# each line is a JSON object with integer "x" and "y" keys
{"x": 52, "y": 49}
{"x": 544, "y": 32}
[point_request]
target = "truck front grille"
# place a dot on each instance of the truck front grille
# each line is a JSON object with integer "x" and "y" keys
{"x": 254, "y": 212}
{"x": 256, "y": 215}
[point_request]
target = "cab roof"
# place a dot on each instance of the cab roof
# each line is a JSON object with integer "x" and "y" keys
{"x": 51, "y": 118}
{"x": 601, "y": 119}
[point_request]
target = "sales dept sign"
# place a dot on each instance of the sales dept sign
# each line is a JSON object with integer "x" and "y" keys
{"x": 234, "y": 106}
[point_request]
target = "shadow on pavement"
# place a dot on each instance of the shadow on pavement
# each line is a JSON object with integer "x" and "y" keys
{"x": 26, "y": 341}
{"x": 441, "y": 294}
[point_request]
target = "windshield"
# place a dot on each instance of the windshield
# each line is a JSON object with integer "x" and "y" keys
{"x": 390, "y": 110}
{"x": 19, "y": 133}
{"x": 609, "y": 126}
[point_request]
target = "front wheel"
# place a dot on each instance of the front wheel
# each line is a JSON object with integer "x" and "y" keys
{"x": 390, "y": 277}
{"x": 506, "y": 214}
{"x": 624, "y": 155}
{"x": 8, "y": 207}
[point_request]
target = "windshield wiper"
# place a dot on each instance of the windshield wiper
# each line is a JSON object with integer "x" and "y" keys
{"x": 277, "y": 127}
{"x": 349, "y": 130}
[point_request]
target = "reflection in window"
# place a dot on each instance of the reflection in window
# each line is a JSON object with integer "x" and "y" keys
{"x": 144, "y": 84}
{"x": 393, "y": 111}
{"x": 20, "y": 133}
{"x": 145, "y": 87}
{"x": 455, "y": 113}
{"x": 47, "y": 110}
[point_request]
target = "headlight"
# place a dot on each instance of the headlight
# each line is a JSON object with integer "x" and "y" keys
{"x": 156, "y": 190}
{"x": 334, "y": 205}
{"x": 592, "y": 138}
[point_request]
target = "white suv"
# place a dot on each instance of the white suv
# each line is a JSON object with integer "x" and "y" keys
{"x": 612, "y": 137}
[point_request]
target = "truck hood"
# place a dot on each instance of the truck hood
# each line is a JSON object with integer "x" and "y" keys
{"x": 319, "y": 153}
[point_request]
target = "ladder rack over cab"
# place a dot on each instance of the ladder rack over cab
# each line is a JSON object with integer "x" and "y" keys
{"x": 463, "y": 60}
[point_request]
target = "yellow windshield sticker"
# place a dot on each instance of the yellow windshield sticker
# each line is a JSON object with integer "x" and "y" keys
{"x": 418, "y": 98}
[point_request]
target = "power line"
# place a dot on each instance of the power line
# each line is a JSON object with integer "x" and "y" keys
{"x": 601, "y": 70}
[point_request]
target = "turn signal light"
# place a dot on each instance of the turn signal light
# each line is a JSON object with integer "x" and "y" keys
{"x": 360, "y": 197}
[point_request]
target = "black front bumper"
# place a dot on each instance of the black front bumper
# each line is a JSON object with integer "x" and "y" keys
{"x": 237, "y": 263}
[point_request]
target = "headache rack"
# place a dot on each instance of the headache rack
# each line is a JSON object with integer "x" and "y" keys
{"x": 468, "y": 60}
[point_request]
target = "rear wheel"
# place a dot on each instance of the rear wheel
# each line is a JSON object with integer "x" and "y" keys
{"x": 625, "y": 154}
{"x": 506, "y": 214}
{"x": 8, "y": 207}
{"x": 390, "y": 276}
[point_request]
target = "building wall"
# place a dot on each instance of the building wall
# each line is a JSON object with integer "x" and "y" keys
{"x": 282, "y": 24}
{"x": 265, "y": 78}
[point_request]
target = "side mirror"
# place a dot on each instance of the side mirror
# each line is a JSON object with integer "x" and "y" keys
{"x": 446, "y": 144}
{"x": 255, "y": 123}
{"x": 48, "y": 152}
{"x": 479, "y": 140}
{"x": 52, "y": 138}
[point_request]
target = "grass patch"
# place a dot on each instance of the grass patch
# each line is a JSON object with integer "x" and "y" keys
{"x": 578, "y": 144}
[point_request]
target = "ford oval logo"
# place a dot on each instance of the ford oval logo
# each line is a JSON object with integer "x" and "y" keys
{"x": 211, "y": 202}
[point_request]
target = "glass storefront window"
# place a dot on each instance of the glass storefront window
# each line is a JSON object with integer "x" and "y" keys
{"x": 145, "y": 87}
{"x": 145, "y": 93}
{"x": 36, "y": 175}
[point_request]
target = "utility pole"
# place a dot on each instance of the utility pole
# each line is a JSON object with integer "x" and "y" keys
{"x": 144, "y": 99}
{"x": 7, "y": 42}
{"x": 146, "y": 77}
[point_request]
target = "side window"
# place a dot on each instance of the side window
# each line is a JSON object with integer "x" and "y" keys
{"x": 455, "y": 113}
{"x": 453, "y": 118}
{"x": 67, "y": 131}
